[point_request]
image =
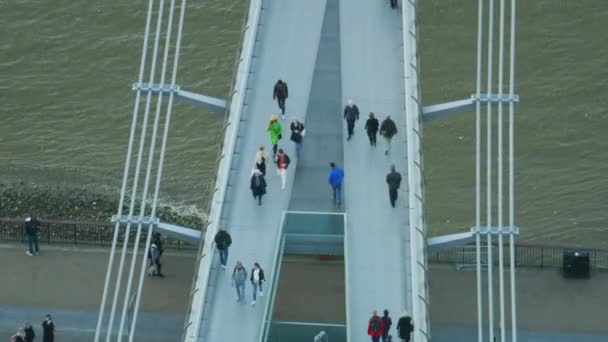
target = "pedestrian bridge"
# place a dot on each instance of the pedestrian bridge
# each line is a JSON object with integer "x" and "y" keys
{"x": 327, "y": 51}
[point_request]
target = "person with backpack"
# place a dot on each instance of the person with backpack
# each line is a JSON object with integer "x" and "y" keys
{"x": 274, "y": 129}
{"x": 258, "y": 185}
{"x": 387, "y": 322}
{"x": 280, "y": 93}
{"x": 297, "y": 135}
{"x": 371, "y": 126}
{"x": 222, "y": 242}
{"x": 48, "y": 329}
{"x": 375, "y": 328}
{"x": 405, "y": 327}
{"x": 260, "y": 160}
{"x": 388, "y": 129}
{"x": 283, "y": 161}
{"x": 239, "y": 276}
{"x": 351, "y": 114}
{"x": 257, "y": 279}
{"x": 32, "y": 227}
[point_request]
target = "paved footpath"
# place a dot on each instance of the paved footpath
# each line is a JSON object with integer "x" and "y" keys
{"x": 67, "y": 283}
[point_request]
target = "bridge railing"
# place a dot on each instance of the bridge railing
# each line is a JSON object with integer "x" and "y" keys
{"x": 200, "y": 282}
{"x": 67, "y": 232}
{"x": 542, "y": 256}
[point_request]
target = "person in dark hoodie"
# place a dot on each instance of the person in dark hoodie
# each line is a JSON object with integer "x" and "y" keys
{"x": 257, "y": 279}
{"x": 258, "y": 185}
{"x": 222, "y": 242}
{"x": 280, "y": 93}
{"x": 31, "y": 227}
{"x": 405, "y": 327}
{"x": 351, "y": 114}
{"x": 48, "y": 329}
{"x": 371, "y": 126}
{"x": 387, "y": 322}
{"x": 393, "y": 179}
{"x": 29, "y": 332}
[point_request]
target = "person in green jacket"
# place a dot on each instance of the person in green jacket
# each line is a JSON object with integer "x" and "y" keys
{"x": 274, "y": 130}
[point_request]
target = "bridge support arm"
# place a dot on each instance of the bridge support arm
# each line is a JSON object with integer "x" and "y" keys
{"x": 442, "y": 110}
{"x": 209, "y": 103}
{"x": 442, "y": 242}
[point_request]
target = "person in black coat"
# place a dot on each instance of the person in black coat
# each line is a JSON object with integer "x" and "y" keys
{"x": 222, "y": 242}
{"x": 280, "y": 93}
{"x": 371, "y": 126}
{"x": 156, "y": 251}
{"x": 258, "y": 185}
{"x": 393, "y": 179}
{"x": 31, "y": 227}
{"x": 387, "y": 322}
{"x": 48, "y": 329}
{"x": 351, "y": 114}
{"x": 29, "y": 333}
{"x": 405, "y": 327}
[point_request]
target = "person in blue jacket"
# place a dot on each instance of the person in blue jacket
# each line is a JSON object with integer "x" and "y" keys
{"x": 335, "y": 179}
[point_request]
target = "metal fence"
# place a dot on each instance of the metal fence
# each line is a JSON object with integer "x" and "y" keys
{"x": 525, "y": 256}
{"x": 86, "y": 233}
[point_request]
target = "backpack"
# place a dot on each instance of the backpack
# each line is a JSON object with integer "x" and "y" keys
{"x": 281, "y": 90}
{"x": 256, "y": 181}
{"x": 375, "y": 324}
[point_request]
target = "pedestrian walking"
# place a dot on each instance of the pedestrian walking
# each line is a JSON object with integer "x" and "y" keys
{"x": 274, "y": 130}
{"x": 297, "y": 135}
{"x": 371, "y": 126}
{"x": 351, "y": 114}
{"x": 260, "y": 160}
{"x": 335, "y": 179}
{"x": 156, "y": 251}
{"x": 48, "y": 329}
{"x": 282, "y": 160}
{"x": 393, "y": 179}
{"x": 405, "y": 327}
{"x": 387, "y": 322}
{"x": 222, "y": 242}
{"x": 375, "y": 327}
{"x": 280, "y": 93}
{"x": 258, "y": 185}
{"x": 29, "y": 332}
{"x": 257, "y": 279}
{"x": 31, "y": 228}
{"x": 388, "y": 129}
{"x": 394, "y": 4}
{"x": 239, "y": 276}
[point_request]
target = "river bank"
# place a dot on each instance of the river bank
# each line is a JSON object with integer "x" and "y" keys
{"x": 17, "y": 199}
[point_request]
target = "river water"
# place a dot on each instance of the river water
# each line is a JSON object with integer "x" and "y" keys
{"x": 66, "y": 71}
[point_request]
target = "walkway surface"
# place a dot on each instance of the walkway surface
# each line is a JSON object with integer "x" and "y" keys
{"x": 378, "y": 235}
{"x": 286, "y": 48}
{"x": 326, "y": 56}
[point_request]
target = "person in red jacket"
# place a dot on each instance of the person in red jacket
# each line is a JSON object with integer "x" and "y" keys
{"x": 375, "y": 327}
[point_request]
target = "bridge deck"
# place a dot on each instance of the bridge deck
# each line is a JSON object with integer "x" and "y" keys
{"x": 369, "y": 53}
{"x": 378, "y": 235}
{"x": 286, "y": 48}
